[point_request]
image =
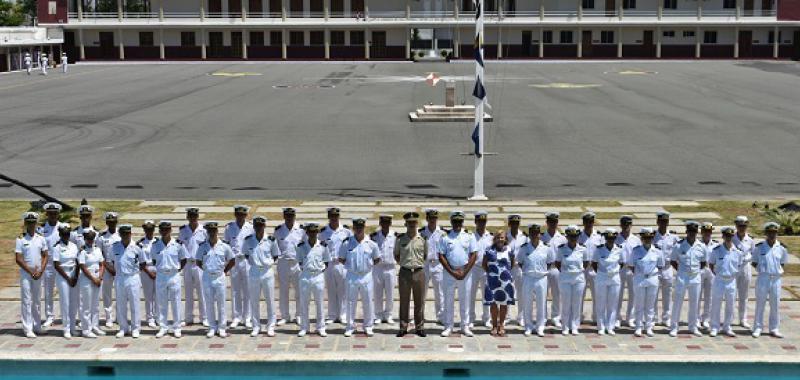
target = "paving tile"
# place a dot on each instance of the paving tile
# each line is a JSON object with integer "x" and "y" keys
{"x": 660, "y": 203}
{"x": 682, "y": 215}
{"x": 156, "y": 217}
{"x": 543, "y": 209}
{"x": 176, "y": 203}
{"x": 626, "y": 209}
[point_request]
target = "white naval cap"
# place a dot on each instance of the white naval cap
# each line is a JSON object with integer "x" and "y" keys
{"x": 52, "y": 206}
{"x": 741, "y": 220}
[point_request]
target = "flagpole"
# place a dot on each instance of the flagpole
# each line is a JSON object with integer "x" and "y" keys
{"x": 480, "y": 97}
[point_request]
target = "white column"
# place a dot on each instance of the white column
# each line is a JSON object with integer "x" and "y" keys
{"x": 620, "y": 10}
{"x": 738, "y": 9}
{"x": 202, "y": 10}
{"x": 658, "y": 42}
{"x": 366, "y": 41}
{"x": 457, "y": 44}
{"x": 408, "y": 9}
{"x": 408, "y": 43}
{"x": 202, "y": 43}
{"x": 283, "y": 16}
{"x": 245, "y": 42}
{"x": 660, "y": 9}
{"x": 478, "y": 178}
{"x": 80, "y": 10}
{"x": 699, "y": 10}
{"x": 161, "y": 10}
{"x": 119, "y": 10}
{"x": 580, "y": 43}
{"x": 366, "y": 12}
{"x": 619, "y": 42}
{"x": 736, "y": 42}
{"x": 245, "y": 6}
{"x": 161, "y": 54}
{"x": 121, "y": 45}
{"x": 697, "y": 42}
{"x": 580, "y": 10}
{"x": 80, "y": 46}
{"x": 541, "y": 11}
{"x": 541, "y": 42}
{"x": 499, "y": 42}
{"x": 326, "y": 8}
{"x": 283, "y": 41}
{"x": 455, "y": 9}
{"x": 327, "y": 44}
{"x": 8, "y": 59}
{"x": 775, "y": 43}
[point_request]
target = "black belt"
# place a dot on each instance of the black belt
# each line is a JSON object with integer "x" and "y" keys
{"x": 412, "y": 270}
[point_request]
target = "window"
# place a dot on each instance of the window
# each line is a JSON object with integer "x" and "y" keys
{"x": 547, "y": 37}
{"x": 688, "y": 33}
{"x": 670, "y": 4}
{"x": 337, "y": 37}
{"x": 357, "y": 37}
{"x": 669, "y": 33}
{"x": 145, "y": 38}
{"x": 566, "y": 37}
{"x": 628, "y": 4}
{"x": 297, "y": 38}
{"x": 587, "y": 4}
{"x": 729, "y": 4}
{"x": 607, "y": 37}
{"x": 771, "y": 37}
{"x": 709, "y": 37}
{"x": 187, "y": 39}
{"x": 257, "y": 38}
{"x": 275, "y": 38}
{"x": 316, "y": 38}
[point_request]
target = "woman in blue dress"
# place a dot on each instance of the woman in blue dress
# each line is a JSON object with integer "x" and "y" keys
{"x": 499, "y": 292}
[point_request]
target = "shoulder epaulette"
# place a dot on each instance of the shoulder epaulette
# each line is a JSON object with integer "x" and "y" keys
{"x": 300, "y": 244}
{"x": 272, "y": 238}
{"x": 324, "y": 244}
{"x": 372, "y": 235}
{"x": 599, "y": 245}
{"x": 525, "y": 234}
{"x": 139, "y": 244}
{"x": 76, "y": 228}
{"x": 179, "y": 241}
{"x": 714, "y": 241}
{"x": 277, "y": 228}
{"x": 421, "y": 229}
{"x": 562, "y": 245}
{"x": 681, "y": 240}
{"x": 140, "y": 240}
{"x": 249, "y": 236}
{"x": 445, "y": 231}
{"x": 324, "y": 228}
{"x": 346, "y": 226}
{"x": 761, "y": 242}
{"x": 396, "y": 234}
{"x": 526, "y": 243}
{"x": 466, "y": 230}
{"x": 224, "y": 241}
{"x": 401, "y": 234}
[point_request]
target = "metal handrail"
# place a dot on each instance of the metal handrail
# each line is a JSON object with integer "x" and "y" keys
{"x": 264, "y": 14}
{"x": 679, "y": 13}
{"x": 140, "y": 15}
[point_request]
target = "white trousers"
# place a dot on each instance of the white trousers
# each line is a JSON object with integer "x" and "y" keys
{"x": 384, "y": 278}
{"x": 90, "y": 304}
{"x": 49, "y": 284}
{"x": 168, "y": 295}
{"x": 683, "y": 284}
{"x": 768, "y": 288}
{"x": 64, "y": 68}
{"x": 555, "y": 293}
{"x": 534, "y": 289}
{"x": 312, "y": 286}
{"x": 433, "y": 276}
{"x": 645, "y": 297}
{"x": 31, "y": 303}
{"x": 68, "y": 302}
{"x": 450, "y": 285}
{"x": 743, "y": 279}
{"x": 288, "y": 276}
{"x": 129, "y": 292}
{"x": 240, "y": 290}
{"x": 705, "y": 294}
{"x": 478, "y": 285}
{"x": 590, "y": 279}
{"x": 571, "y": 287}
{"x": 626, "y": 282}
{"x": 149, "y": 291}
{"x": 108, "y": 297}
{"x": 516, "y": 275}
{"x": 337, "y": 290}
{"x": 666, "y": 284}
{"x": 214, "y": 289}
{"x": 607, "y": 289}
{"x": 193, "y": 287}
{"x": 722, "y": 290}
{"x": 359, "y": 285}
{"x": 262, "y": 281}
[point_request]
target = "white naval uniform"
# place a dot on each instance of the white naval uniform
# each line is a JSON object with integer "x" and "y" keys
{"x": 240, "y": 298}
{"x": 43, "y": 64}
{"x": 76, "y": 236}
{"x": 746, "y": 245}
{"x": 192, "y": 274}
{"x": 707, "y": 279}
{"x": 336, "y": 272}
{"x": 64, "y": 63}
{"x": 104, "y": 241}
{"x": 128, "y": 286}
{"x": 626, "y": 276}
{"x": 32, "y": 248}
{"x": 312, "y": 261}
{"x": 66, "y": 254}
{"x": 645, "y": 264}
{"x": 288, "y": 270}
{"x": 666, "y": 243}
{"x": 28, "y": 64}
{"x": 433, "y": 268}
{"x": 214, "y": 259}
{"x": 92, "y": 258}
{"x": 167, "y": 259}
{"x": 261, "y": 255}
{"x": 607, "y": 284}
{"x": 359, "y": 257}
{"x": 688, "y": 257}
{"x": 552, "y": 277}
{"x": 769, "y": 262}
{"x": 483, "y": 242}
{"x": 534, "y": 262}
{"x": 590, "y": 242}
{"x": 726, "y": 264}
{"x": 571, "y": 283}
{"x": 457, "y": 247}
{"x": 514, "y": 244}
{"x": 384, "y": 274}
{"x": 148, "y": 284}
{"x": 50, "y": 234}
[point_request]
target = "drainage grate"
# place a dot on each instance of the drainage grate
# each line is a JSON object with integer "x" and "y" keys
{"x": 710, "y": 183}
{"x": 618, "y": 184}
{"x": 422, "y": 186}
{"x": 100, "y": 371}
{"x": 455, "y": 372}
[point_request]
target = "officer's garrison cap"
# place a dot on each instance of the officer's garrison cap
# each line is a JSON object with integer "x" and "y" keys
{"x": 85, "y": 210}
{"x": 771, "y": 227}
{"x": 647, "y": 232}
{"x": 707, "y": 226}
{"x": 241, "y": 209}
{"x": 359, "y": 222}
{"x": 728, "y": 230}
{"x": 481, "y": 215}
{"x": 258, "y": 219}
{"x": 610, "y": 232}
{"x": 311, "y": 227}
{"x": 149, "y": 224}
{"x": 211, "y": 225}
{"x": 64, "y": 228}
{"x": 30, "y": 216}
{"x": 192, "y": 211}
{"x": 412, "y": 216}
{"x": 572, "y": 230}
{"x": 662, "y": 215}
{"x": 514, "y": 218}
{"x": 52, "y": 207}
{"x": 125, "y": 228}
{"x": 456, "y": 215}
{"x": 588, "y": 215}
{"x": 111, "y": 216}
{"x": 741, "y": 220}
{"x": 552, "y": 215}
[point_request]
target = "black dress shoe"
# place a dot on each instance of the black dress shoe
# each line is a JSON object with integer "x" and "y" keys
{"x": 421, "y": 333}
{"x": 401, "y": 333}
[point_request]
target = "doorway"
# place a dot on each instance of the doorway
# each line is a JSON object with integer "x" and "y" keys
{"x": 745, "y": 43}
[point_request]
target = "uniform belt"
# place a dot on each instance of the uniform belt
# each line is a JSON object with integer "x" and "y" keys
{"x": 287, "y": 258}
{"x": 412, "y": 269}
{"x": 168, "y": 271}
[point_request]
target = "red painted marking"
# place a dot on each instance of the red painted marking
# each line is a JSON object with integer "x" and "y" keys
{"x": 504, "y": 346}
{"x": 407, "y": 346}
{"x": 789, "y": 347}
{"x": 646, "y": 346}
{"x": 740, "y": 346}
{"x": 25, "y": 345}
{"x": 72, "y": 345}
{"x": 599, "y": 346}
{"x": 169, "y": 345}
{"x": 693, "y": 347}
{"x": 455, "y": 346}
{"x": 216, "y": 345}
{"x": 121, "y": 345}
{"x": 264, "y": 346}
{"x": 359, "y": 346}
{"x": 551, "y": 346}
{"x": 312, "y": 345}
{"x": 685, "y": 336}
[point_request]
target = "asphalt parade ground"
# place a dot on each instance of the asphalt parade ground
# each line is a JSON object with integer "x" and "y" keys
{"x": 323, "y": 131}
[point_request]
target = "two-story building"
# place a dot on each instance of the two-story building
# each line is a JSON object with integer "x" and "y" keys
{"x": 398, "y": 29}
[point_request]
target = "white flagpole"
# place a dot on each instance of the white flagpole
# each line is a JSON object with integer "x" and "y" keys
{"x": 478, "y": 176}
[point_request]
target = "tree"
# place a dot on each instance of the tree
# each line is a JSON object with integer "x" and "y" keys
{"x": 11, "y": 14}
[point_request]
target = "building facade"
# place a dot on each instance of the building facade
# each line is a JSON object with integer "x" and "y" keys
{"x": 400, "y": 29}
{"x": 16, "y": 41}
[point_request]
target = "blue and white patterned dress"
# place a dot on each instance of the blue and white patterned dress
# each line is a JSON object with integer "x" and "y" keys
{"x": 499, "y": 282}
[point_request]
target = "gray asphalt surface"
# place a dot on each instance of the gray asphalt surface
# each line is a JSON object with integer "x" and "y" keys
{"x": 683, "y": 129}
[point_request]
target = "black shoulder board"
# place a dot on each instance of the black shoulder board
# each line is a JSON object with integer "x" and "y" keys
{"x": 445, "y": 231}
{"x": 324, "y": 244}
{"x": 325, "y": 228}
{"x": 401, "y": 235}
{"x": 139, "y": 244}
{"x": 224, "y": 241}
{"x": 179, "y": 241}
{"x": 346, "y": 226}
{"x": 562, "y": 245}
{"x": 619, "y": 245}
{"x": 599, "y": 245}
{"x": 681, "y": 241}
{"x": 140, "y": 240}
{"x": 277, "y": 228}
{"x": 714, "y": 241}
{"x": 271, "y": 238}
{"x": 421, "y": 229}
{"x": 525, "y": 234}
{"x": 373, "y": 234}
{"x": 466, "y": 230}
{"x": 249, "y": 236}
{"x": 300, "y": 244}
{"x": 526, "y": 243}
{"x": 76, "y": 228}
{"x": 761, "y": 242}
{"x": 396, "y": 234}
